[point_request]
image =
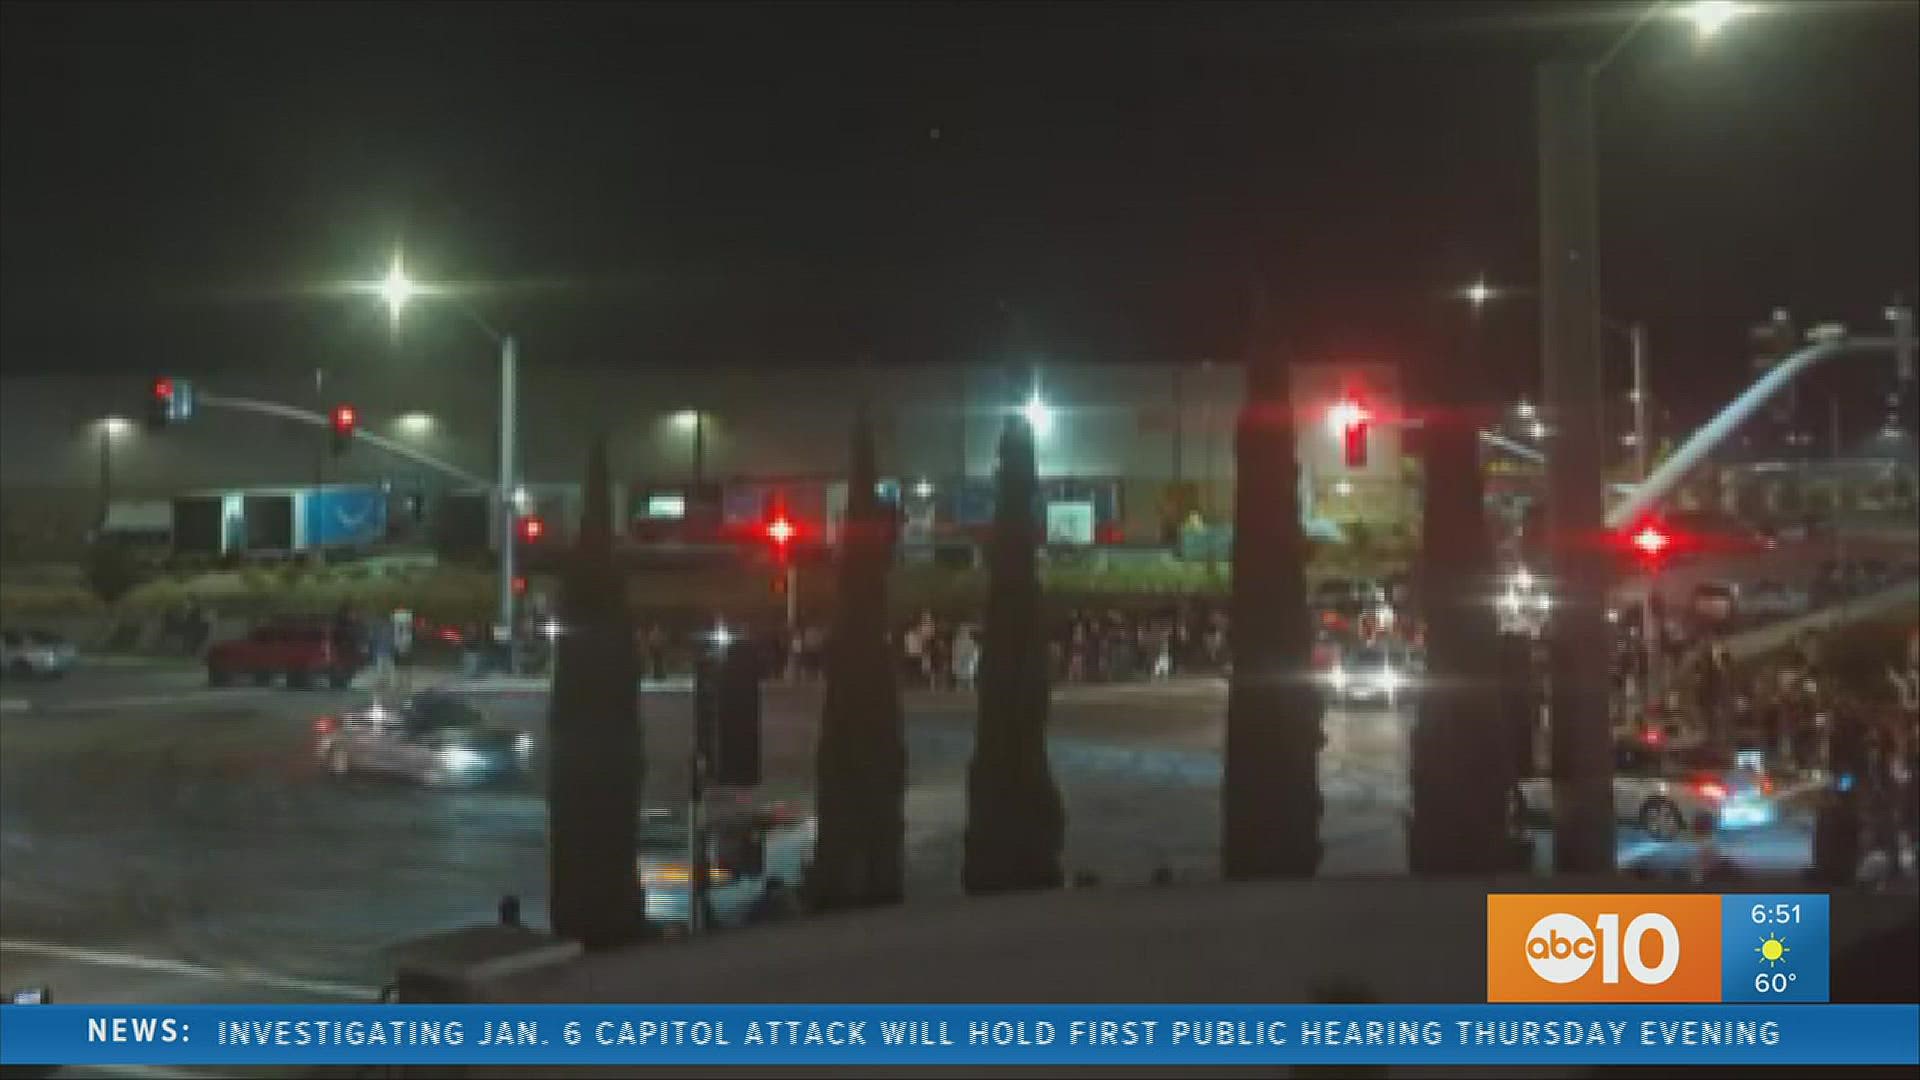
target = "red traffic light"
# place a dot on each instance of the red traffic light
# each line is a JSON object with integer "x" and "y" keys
{"x": 1347, "y": 413}
{"x": 532, "y": 528}
{"x": 1349, "y": 421}
{"x": 345, "y": 418}
{"x": 780, "y": 531}
{"x": 163, "y": 388}
{"x": 1650, "y": 541}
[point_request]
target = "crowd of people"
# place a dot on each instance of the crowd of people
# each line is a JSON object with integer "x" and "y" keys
{"x": 940, "y": 652}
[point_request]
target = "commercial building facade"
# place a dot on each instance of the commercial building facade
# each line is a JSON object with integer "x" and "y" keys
{"x": 1127, "y": 453}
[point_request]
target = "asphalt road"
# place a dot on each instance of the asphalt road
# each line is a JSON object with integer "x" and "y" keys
{"x": 160, "y": 841}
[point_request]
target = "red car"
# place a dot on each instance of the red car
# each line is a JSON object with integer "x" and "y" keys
{"x": 301, "y": 651}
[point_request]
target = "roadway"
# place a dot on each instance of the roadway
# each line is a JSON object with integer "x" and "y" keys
{"x": 161, "y": 841}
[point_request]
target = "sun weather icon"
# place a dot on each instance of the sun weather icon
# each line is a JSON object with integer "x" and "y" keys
{"x": 1773, "y": 950}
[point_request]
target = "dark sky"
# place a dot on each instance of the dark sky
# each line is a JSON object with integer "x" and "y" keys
{"x": 756, "y": 184}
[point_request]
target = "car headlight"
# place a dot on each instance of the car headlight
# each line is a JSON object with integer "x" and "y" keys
{"x": 1510, "y": 603}
{"x": 458, "y": 758}
{"x": 523, "y": 743}
{"x": 1543, "y": 602}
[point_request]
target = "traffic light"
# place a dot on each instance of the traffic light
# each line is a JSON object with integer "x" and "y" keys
{"x": 1356, "y": 445}
{"x": 346, "y": 420}
{"x": 1350, "y": 421}
{"x": 727, "y": 706}
{"x": 531, "y": 529}
{"x": 780, "y": 533}
{"x": 1651, "y": 543}
{"x": 169, "y": 401}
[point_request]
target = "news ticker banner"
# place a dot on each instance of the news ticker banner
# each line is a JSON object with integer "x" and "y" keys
{"x": 1658, "y": 947}
{"x": 972, "y": 1035}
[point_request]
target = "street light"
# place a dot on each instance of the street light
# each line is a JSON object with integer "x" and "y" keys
{"x": 110, "y": 428}
{"x": 396, "y": 289}
{"x": 1709, "y": 17}
{"x": 416, "y": 424}
{"x": 694, "y": 423}
{"x": 1039, "y": 415}
{"x": 1479, "y": 292}
{"x": 1570, "y": 334}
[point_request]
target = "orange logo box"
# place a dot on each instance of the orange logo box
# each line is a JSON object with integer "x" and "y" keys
{"x": 1603, "y": 948}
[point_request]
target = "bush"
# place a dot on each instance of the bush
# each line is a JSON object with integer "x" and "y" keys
{"x": 112, "y": 569}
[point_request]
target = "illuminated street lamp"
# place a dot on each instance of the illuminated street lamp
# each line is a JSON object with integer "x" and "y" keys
{"x": 110, "y": 428}
{"x": 694, "y": 423}
{"x": 1039, "y": 415}
{"x": 1709, "y": 17}
{"x": 396, "y": 289}
{"x": 1571, "y": 327}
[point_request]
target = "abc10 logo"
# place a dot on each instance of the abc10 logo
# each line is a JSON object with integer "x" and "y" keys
{"x": 1603, "y": 948}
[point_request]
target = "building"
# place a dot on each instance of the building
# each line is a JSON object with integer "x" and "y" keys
{"x": 1127, "y": 453}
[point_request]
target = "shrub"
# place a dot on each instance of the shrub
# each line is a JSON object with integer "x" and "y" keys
{"x": 112, "y": 570}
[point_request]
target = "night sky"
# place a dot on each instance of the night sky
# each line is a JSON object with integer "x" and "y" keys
{"x": 795, "y": 183}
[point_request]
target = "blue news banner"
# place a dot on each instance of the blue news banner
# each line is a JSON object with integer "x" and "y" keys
{"x": 976, "y": 1035}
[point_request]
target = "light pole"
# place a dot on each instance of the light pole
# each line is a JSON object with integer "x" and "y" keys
{"x": 111, "y": 428}
{"x": 397, "y": 289}
{"x": 1570, "y": 332}
{"x": 1479, "y": 293}
{"x": 694, "y": 422}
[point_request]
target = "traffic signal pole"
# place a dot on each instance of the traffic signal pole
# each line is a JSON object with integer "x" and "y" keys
{"x": 509, "y": 510}
{"x": 793, "y": 600}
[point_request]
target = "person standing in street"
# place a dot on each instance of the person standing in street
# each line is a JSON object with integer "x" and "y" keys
{"x": 966, "y": 657}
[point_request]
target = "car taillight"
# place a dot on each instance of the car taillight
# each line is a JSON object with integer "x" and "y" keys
{"x": 1766, "y": 785}
{"x": 1710, "y": 789}
{"x": 325, "y": 725}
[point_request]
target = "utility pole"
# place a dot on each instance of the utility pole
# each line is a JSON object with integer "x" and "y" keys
{"x": 509, "y": 504}
{"x": 106, "y": 474}
{"x": 324, "y": 445}
{"x": 1642, "y": 451}
{"x": 1582, "y": 759}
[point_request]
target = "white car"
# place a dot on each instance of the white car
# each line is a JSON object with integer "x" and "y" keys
{"x": 35, "y": 654}
{"x": 757, "y": 865}
{"x": 1378, "y": 673}
{"x": 432, "y": 738}
{"x": 1668, "y": 791}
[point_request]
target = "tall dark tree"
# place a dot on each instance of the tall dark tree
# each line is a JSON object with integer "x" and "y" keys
{"x": 861, "y": 762}
{"x": 595, "y": 756}
{"x": 1270, "y": 794}
{"x": 1016, "y": 826}
{"x": 1464, "y": 754}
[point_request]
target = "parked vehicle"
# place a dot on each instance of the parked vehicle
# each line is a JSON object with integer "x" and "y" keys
{"x": 301, "y": 651}
{"x": 35, "y": 654}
